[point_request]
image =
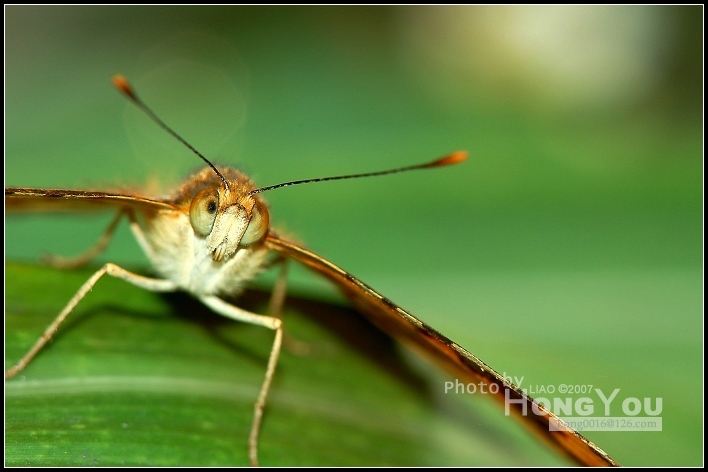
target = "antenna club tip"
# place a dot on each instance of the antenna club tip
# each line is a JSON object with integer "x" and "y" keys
{"x": 451, "y": 159}
{"x": 122, "y": 84}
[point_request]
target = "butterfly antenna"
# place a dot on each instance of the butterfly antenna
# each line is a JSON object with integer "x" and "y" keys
{"x": 450, "y": 159}
{"x": 122, "y": 84}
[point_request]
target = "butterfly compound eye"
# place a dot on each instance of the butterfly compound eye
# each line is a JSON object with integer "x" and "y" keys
{"x": 202, "y": 211}
{"x": 258, "y": 226}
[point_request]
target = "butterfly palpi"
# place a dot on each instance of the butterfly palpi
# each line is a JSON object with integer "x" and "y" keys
{"x": 213, "y": 235}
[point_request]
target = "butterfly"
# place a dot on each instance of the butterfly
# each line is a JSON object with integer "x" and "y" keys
{"x": 213, "y": 235}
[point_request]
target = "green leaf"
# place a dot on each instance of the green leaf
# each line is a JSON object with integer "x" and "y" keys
{"x": 134, "y": 378}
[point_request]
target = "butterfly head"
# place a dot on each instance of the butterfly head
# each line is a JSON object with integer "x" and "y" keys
{"x": 228, "y": 217}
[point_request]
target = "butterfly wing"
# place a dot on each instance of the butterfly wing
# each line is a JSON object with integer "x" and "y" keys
{"x": 408, "y": 329}
{"x": 385, "y": 314}
{"x": 48, "y": 200}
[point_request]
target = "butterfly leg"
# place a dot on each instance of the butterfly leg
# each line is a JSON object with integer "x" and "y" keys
{"x": 154, "y": 285}
{"x": 82, "y": 259}
{"x": 275, "y": 308}
{"x": 235, "y": 313}
{"x": 277, "y": 297}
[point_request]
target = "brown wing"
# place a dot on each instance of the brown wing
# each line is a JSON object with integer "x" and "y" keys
{"x": 46, "y": 200}
{"x": 408, "y": 329}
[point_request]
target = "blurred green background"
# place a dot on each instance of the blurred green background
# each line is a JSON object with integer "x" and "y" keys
{"x": 568, "y": 249}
